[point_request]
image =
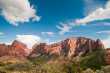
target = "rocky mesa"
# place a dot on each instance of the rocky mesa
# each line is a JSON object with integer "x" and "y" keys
{"x": 68, "y": 48}
{"x": 16, "y": 49}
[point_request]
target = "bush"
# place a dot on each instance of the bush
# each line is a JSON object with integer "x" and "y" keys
{"x": 91, "y": 63}
{"x": 106, "y": 69}
{"x": 94, "y": 60}
{"x": 88, "y": 71}
{"x": 39, "y": 60}
{"x": 18, "y": 67}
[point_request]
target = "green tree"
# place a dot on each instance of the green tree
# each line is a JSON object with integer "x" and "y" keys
{"x": 93, "y": 60}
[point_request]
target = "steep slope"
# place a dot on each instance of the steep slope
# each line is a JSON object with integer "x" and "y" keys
{"x": 107, "y": 56}
{"x": 69, "y": 47}
{"x": 16, "y": 49}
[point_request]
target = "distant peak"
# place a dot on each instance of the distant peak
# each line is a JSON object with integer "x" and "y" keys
{"x": 16, "y": 42}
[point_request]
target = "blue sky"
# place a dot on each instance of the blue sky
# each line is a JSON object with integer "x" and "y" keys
{"x": 54, "y": 20}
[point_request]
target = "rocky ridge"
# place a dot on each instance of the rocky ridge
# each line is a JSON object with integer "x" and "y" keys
{"x": 69, "y": 47}
{"x": 16, "y": 49}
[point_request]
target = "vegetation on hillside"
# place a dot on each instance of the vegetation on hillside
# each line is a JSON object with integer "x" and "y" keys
{"x": 90, "y": 63}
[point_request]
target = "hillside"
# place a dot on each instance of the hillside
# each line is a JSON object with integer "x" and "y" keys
{"x": 72, "y": 55}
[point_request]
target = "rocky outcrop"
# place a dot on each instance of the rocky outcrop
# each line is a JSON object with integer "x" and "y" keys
{"x": 69, "y": 47}
{"x": 44, "y": 49}
{"x": 16, "y": 49}
{"x": 20, "y": 46}
{"x": 107, "y": 56}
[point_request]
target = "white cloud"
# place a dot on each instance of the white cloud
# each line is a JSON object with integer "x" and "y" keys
{"x": 103, "y": 23}
{"x": 106, "y": 42}
{"x": 106, "y": 24}
{"x": 1, "y": 33}
{"x": 91, "y": 5}
{"x": 104, "y": 32}
{"x": 49, "y": 41}
{"x": 48, "y": 33}
{"x": 15, "y": 11}
{"x": 29, "y": 40}
{"x": 64, "y": 28}
{"x": 98, "y": 14}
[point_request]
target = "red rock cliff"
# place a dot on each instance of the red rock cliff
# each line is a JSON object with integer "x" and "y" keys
{"x": 107, "y": 56}
{"x": 69, "y": 47}
{"x": 16, "y": 49}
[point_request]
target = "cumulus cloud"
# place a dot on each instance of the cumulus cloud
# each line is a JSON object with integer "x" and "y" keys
{"x": 48, "y": 33}
{"x": 18, "y": 11}
{"x": 99, "y": 14}
{"x": 91, "y": 5}
{"x": 29, "y": 40}
{"x": 64, "y": 28}
{"x": 1, "y": 33}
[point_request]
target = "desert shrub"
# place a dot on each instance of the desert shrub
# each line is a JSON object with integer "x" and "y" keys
{"x": 18, "y": 67}
{"x": 54, "y": 68}
{"x": 2, "y": 64}
{"x": 73, "y": 68}
{"x": 88, "y": 71}
{"x": 93, "y": 60}
{"x": 106, "y": 69}
{"x": 2, "y": 71}
{"x": 43, "y": 64}
{"x": 99, "y": 71}
{"x": 39, "y": 60}
{"x": 74, "y": 64}
{"x": 5, "y": 63}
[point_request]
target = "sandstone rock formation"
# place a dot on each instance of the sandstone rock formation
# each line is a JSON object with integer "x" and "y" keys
{"x": 107, "y": 56}
{"x": 69, "y": 47}
{"x": 16, "y": 49}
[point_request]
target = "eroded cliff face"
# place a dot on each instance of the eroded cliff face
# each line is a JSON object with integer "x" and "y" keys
{"x": 107, "y": 56}
{"x": 16, "y": 49}
{"x": 69, "y": 47}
